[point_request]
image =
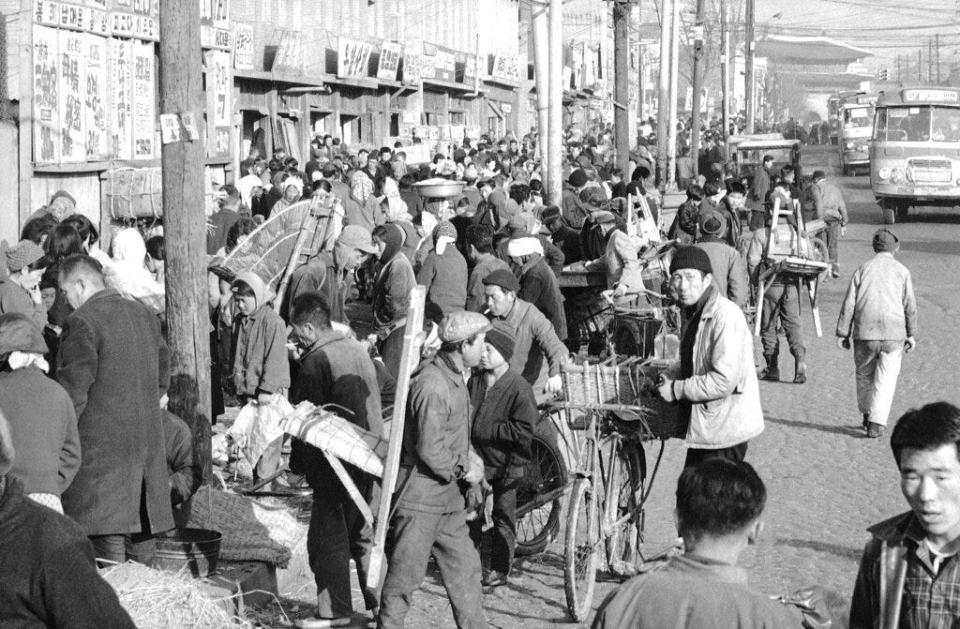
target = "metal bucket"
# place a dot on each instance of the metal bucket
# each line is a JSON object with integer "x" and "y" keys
{"x": 197, "y": 549}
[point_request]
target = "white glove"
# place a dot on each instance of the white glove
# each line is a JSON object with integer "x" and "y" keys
{"x": 475, "y": 468}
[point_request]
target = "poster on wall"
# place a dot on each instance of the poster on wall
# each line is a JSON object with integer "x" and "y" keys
{"x": 95, "y": 98}
{"x": 506, "y": 67}
{"x": 353, "y": 58}
{"x": 72, "y": 81}
{"x": 411, "y": 67}
{"x": 389, "y": 60}
{"x": 121, "y": 95}
{"x": 439, "y": 63}
{"x": 289, "y": 56}
{"x": 144, "y": 101}
{"x": 46, "y": 131}
{"x": 243, "y": 46}
{"x": 219, "y": 102}
{"x": 215, "y": 24}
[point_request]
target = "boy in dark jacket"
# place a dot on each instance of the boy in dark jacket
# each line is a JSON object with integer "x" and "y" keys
{"x": 503, "y": 423}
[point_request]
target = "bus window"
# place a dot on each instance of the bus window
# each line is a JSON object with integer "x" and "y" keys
{"x": 880, "y": 125}
{"x": 857, "y": 117}
{"x": 946, "y": 124}
{"x": 904, "y": 124}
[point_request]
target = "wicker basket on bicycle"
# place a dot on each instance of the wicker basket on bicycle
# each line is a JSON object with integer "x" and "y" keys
{"x": 628, "y": 391}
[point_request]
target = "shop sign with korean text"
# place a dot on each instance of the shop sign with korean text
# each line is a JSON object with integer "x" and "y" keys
{"x": 389, "y": 60}
{"x": 353, "y": 58}
{"x": 215, "y": 24}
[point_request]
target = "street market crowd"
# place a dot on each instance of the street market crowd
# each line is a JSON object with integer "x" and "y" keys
{"x": 92, "y": 465}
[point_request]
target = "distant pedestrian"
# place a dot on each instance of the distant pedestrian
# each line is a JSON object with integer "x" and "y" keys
{"x": 879, "y": 314}
{"x": 823, "y": 200}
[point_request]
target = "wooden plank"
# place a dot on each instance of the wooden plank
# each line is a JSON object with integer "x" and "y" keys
{"x": 412, "y": 341}
{"x": 351, "y": 488}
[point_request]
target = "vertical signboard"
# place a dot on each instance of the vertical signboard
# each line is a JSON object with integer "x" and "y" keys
{"x": 95, "y": 98}
{"x": 121, "y": 93}
{"x": 72, "y": 81}
{"x": 411, "y": 67}
{"x": 243, "y": 46}
{"x": 353, "y": 57}
{"x": 144, "y": 105}
{"x": 389, "y": 61}
{"x": 46, "y": 111}
{"x": 219, "y": 95}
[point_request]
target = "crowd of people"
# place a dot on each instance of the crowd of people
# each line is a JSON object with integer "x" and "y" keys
{"x": 81, "y": 461}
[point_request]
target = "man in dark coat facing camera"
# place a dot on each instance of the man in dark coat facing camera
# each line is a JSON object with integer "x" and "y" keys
{"x": 113, "y": 363}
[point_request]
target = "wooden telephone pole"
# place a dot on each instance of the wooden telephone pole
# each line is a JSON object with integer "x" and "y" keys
{"x": 697, "y": 87}
{"x": 724, "y": 74}
{"x": 621, "y": 86}
{"x": 663, "y": 94}
{"x": 749, "y": 49}
{"x": 185, "y": 225}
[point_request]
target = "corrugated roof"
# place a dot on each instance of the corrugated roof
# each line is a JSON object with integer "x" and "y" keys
{"x": 808, "y": 50}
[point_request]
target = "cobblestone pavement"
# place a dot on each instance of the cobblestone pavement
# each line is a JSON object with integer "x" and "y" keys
{"x": 826, "y": 482}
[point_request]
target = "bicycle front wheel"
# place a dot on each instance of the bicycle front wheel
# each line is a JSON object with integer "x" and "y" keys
{"x": 582, "y": 548}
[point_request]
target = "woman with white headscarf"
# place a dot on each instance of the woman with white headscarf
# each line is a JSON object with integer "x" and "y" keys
{"x": 129, "y": 274}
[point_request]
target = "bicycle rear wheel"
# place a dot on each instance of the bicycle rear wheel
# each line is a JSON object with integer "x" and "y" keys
{"x": 623, "y": 541}
{"x": 582, "y": 547}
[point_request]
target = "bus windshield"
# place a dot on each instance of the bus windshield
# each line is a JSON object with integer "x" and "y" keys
{"x": 857, "y": 117}
{"x": 918, "y": 124}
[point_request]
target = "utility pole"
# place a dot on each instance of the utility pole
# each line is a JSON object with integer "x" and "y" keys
{"x": 748, "y": 51}
{"x": 185, "y": 225}
{"x": 937, "y": 38}
{"x": 642, "y": 88}
{"x": 724, "y": 75}
{"x": 929, "y": 61}
{"x": 674, "y": 93}
{"x": 697, "y": 86}
{"x": 663, "y": 90}
{"x": 555, "y": 62}
{"x": 621, "y": 81}
{"x": 920, "y": 65}
{"x": 541, "y": 56}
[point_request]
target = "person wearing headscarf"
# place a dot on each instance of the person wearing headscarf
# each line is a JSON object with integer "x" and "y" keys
{"x": 292, "y": 189}
{"x": 538, "y": 284}
{"x": 41, "y": 415}
{"x": 20, "y": 287}
{"x": 394, "y": 279}
{"x": 365, "y": 210}
{"x": 393, "y": 206}
{"x": 444, "y": 274}
{"x": 129, "y": 274}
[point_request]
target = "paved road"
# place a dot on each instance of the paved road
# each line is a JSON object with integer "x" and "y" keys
{"x": 826, "y": 482}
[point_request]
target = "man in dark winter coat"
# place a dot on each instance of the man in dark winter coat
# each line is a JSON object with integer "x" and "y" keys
{"x": 334, "y": 369}
{"x": 113, "y": 363}
{"x": 48, "y": 577}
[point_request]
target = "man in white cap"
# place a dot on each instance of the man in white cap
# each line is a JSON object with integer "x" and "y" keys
{"x": 328, "y": 272}
{"x": 430, "y": 517}
{"x": 538, "y": 284}
{"x": 48, "y": 576}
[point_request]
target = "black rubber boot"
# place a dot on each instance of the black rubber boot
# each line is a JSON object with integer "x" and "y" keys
{"x": 772, "y": 372}
{"x": 800, "y": 368}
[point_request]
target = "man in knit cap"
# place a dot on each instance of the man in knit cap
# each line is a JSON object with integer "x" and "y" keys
{"x": 573, "y": 209}
{"x": 729, "y": 272}
{"x": 879, "y": 314}
{"x": 430, "y": 516}
{"x": 715, "y": 368}
{"x": 503, "y": 423}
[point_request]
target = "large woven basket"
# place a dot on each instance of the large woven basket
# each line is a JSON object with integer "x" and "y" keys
{"x": 628, "y": 391}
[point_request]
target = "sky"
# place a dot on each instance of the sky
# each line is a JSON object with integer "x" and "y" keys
{"x": 887, "y": 27}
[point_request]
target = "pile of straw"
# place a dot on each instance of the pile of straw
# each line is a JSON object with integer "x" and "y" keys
{"x": 156, "y": 599}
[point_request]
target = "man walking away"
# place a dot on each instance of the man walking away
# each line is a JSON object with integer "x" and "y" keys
{"x": 715, "y": 382}
{"x": 719, "y": 504}
{"x": 430, "y": 516}
{"x": 879, "y": 314}
{"x": 910, "y": 569}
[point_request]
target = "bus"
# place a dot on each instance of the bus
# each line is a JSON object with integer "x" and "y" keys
{"x": 915, "y": 150}
{"x": 855, "y": 124}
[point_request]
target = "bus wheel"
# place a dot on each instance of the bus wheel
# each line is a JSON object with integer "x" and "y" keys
{"x": 903, "y": 211}
{"x": 889, "y": 215}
